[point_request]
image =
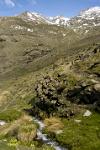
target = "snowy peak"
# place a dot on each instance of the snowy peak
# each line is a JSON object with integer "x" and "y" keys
{"x": 38, "y": 18}
{"x": 91, "y": 10}
{"x": 35, "y": 17}
{"x": 86, "y": 20}
{"x": 90, "y": 13}
{"x": 59, "y": 20}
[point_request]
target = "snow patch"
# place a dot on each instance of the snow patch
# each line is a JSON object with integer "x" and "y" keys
{"x": 30, "y": 30}
{"x": 64, "y": 34}
{"x": 59, "y": 20}
{"x": 86, "y": 31}
{"x": 18, "y": 27}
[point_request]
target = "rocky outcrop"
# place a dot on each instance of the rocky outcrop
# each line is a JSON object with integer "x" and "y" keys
{"x": 51, "y": 97}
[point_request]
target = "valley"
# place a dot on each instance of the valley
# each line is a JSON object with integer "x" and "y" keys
{"x": 50, "y": 70}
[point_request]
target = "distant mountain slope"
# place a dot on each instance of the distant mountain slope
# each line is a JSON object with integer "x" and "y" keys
{"x": 86, "y": 20}
{"x": 30, "y": 41}
{"x": 26, "y": 46}
{"x": 59, "y": 20}
{"x": 82, "y": 23}
{"x": 34, "y": 17}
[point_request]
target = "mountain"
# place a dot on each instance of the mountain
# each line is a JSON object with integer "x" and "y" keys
{"x": 82, "y": 23}
{"x": 38, "y": 18}
{"x": 34, "y": 17}
{"x": 50, "y": 70}
{"x": 35, "y": 40}
{"x": 59, "y": 20}
{"x": 90, "y": 13}
{"x": 86, "y": 20}
{"x": 38, "y": 38}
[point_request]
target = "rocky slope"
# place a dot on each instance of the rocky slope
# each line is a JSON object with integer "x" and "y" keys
{"x": 86, "y": 20}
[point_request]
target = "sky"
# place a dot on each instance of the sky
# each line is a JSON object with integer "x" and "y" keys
{"x": 67, "y": 8}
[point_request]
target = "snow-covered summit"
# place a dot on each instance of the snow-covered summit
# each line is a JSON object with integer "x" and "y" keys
{"x": 35, "y": 17}
{"x": 91, "y": 10}
{"x": 59, "y": 20}
{"x": 90, "y": 13}
{"x": 38, "y": 18}
{"x": 86, "y": 20}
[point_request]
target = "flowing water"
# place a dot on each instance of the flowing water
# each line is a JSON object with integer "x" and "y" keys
{"x": 44, "y": 138}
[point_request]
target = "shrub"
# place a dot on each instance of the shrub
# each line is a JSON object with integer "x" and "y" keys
{"x": 53, "y": 124}
{"x": 27, "y": 133}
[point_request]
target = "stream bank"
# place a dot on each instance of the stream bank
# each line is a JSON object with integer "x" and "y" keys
{"x": 44, "y": 137}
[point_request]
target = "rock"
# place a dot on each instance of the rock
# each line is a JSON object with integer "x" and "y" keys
{"x": 97, "y": 87}
{"x": 87, "y": 113}
{"x": 96, "y": 50}
{"x": 77, "y": 121}
{"x": 59, "y": 131}
{"x": 2, "y": 123}
{"x": 94, "y": 81}
{"x": 84, "y": 84}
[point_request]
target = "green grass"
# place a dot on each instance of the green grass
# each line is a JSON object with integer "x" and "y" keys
{"x": 4, "y": 146}
{"x": 81, "y": 136}
{"x": 10, "y": 115}
{"x": 12, "y": 145}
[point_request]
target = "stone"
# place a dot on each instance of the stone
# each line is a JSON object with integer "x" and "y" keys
{"x": 94, "y": 81}
{"x": 2, "y": 123}
{"x": 97, "y": 87}
{"x": 59, "y": 131}
{"x": 87, "y": 113}
{"x": 77, "y": 121}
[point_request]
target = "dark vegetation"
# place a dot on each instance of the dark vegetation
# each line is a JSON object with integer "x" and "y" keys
{"x": 56, "y": 94}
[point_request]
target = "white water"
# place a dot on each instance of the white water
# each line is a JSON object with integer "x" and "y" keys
{"x": 44, "y": 138}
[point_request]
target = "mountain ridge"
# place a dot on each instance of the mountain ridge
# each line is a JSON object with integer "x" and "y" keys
{"x": 86, "y": 19}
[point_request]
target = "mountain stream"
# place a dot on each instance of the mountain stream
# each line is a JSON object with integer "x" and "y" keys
{"x": 44, "y": 137}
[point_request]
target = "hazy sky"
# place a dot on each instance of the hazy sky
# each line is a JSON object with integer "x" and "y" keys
{"x": 46, "y": 7}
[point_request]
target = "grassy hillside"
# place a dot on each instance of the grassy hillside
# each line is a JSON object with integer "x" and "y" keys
{"x": 47, "y": 66}
{"x": 73, "y": 83}
{"x": 27, "y": 47}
